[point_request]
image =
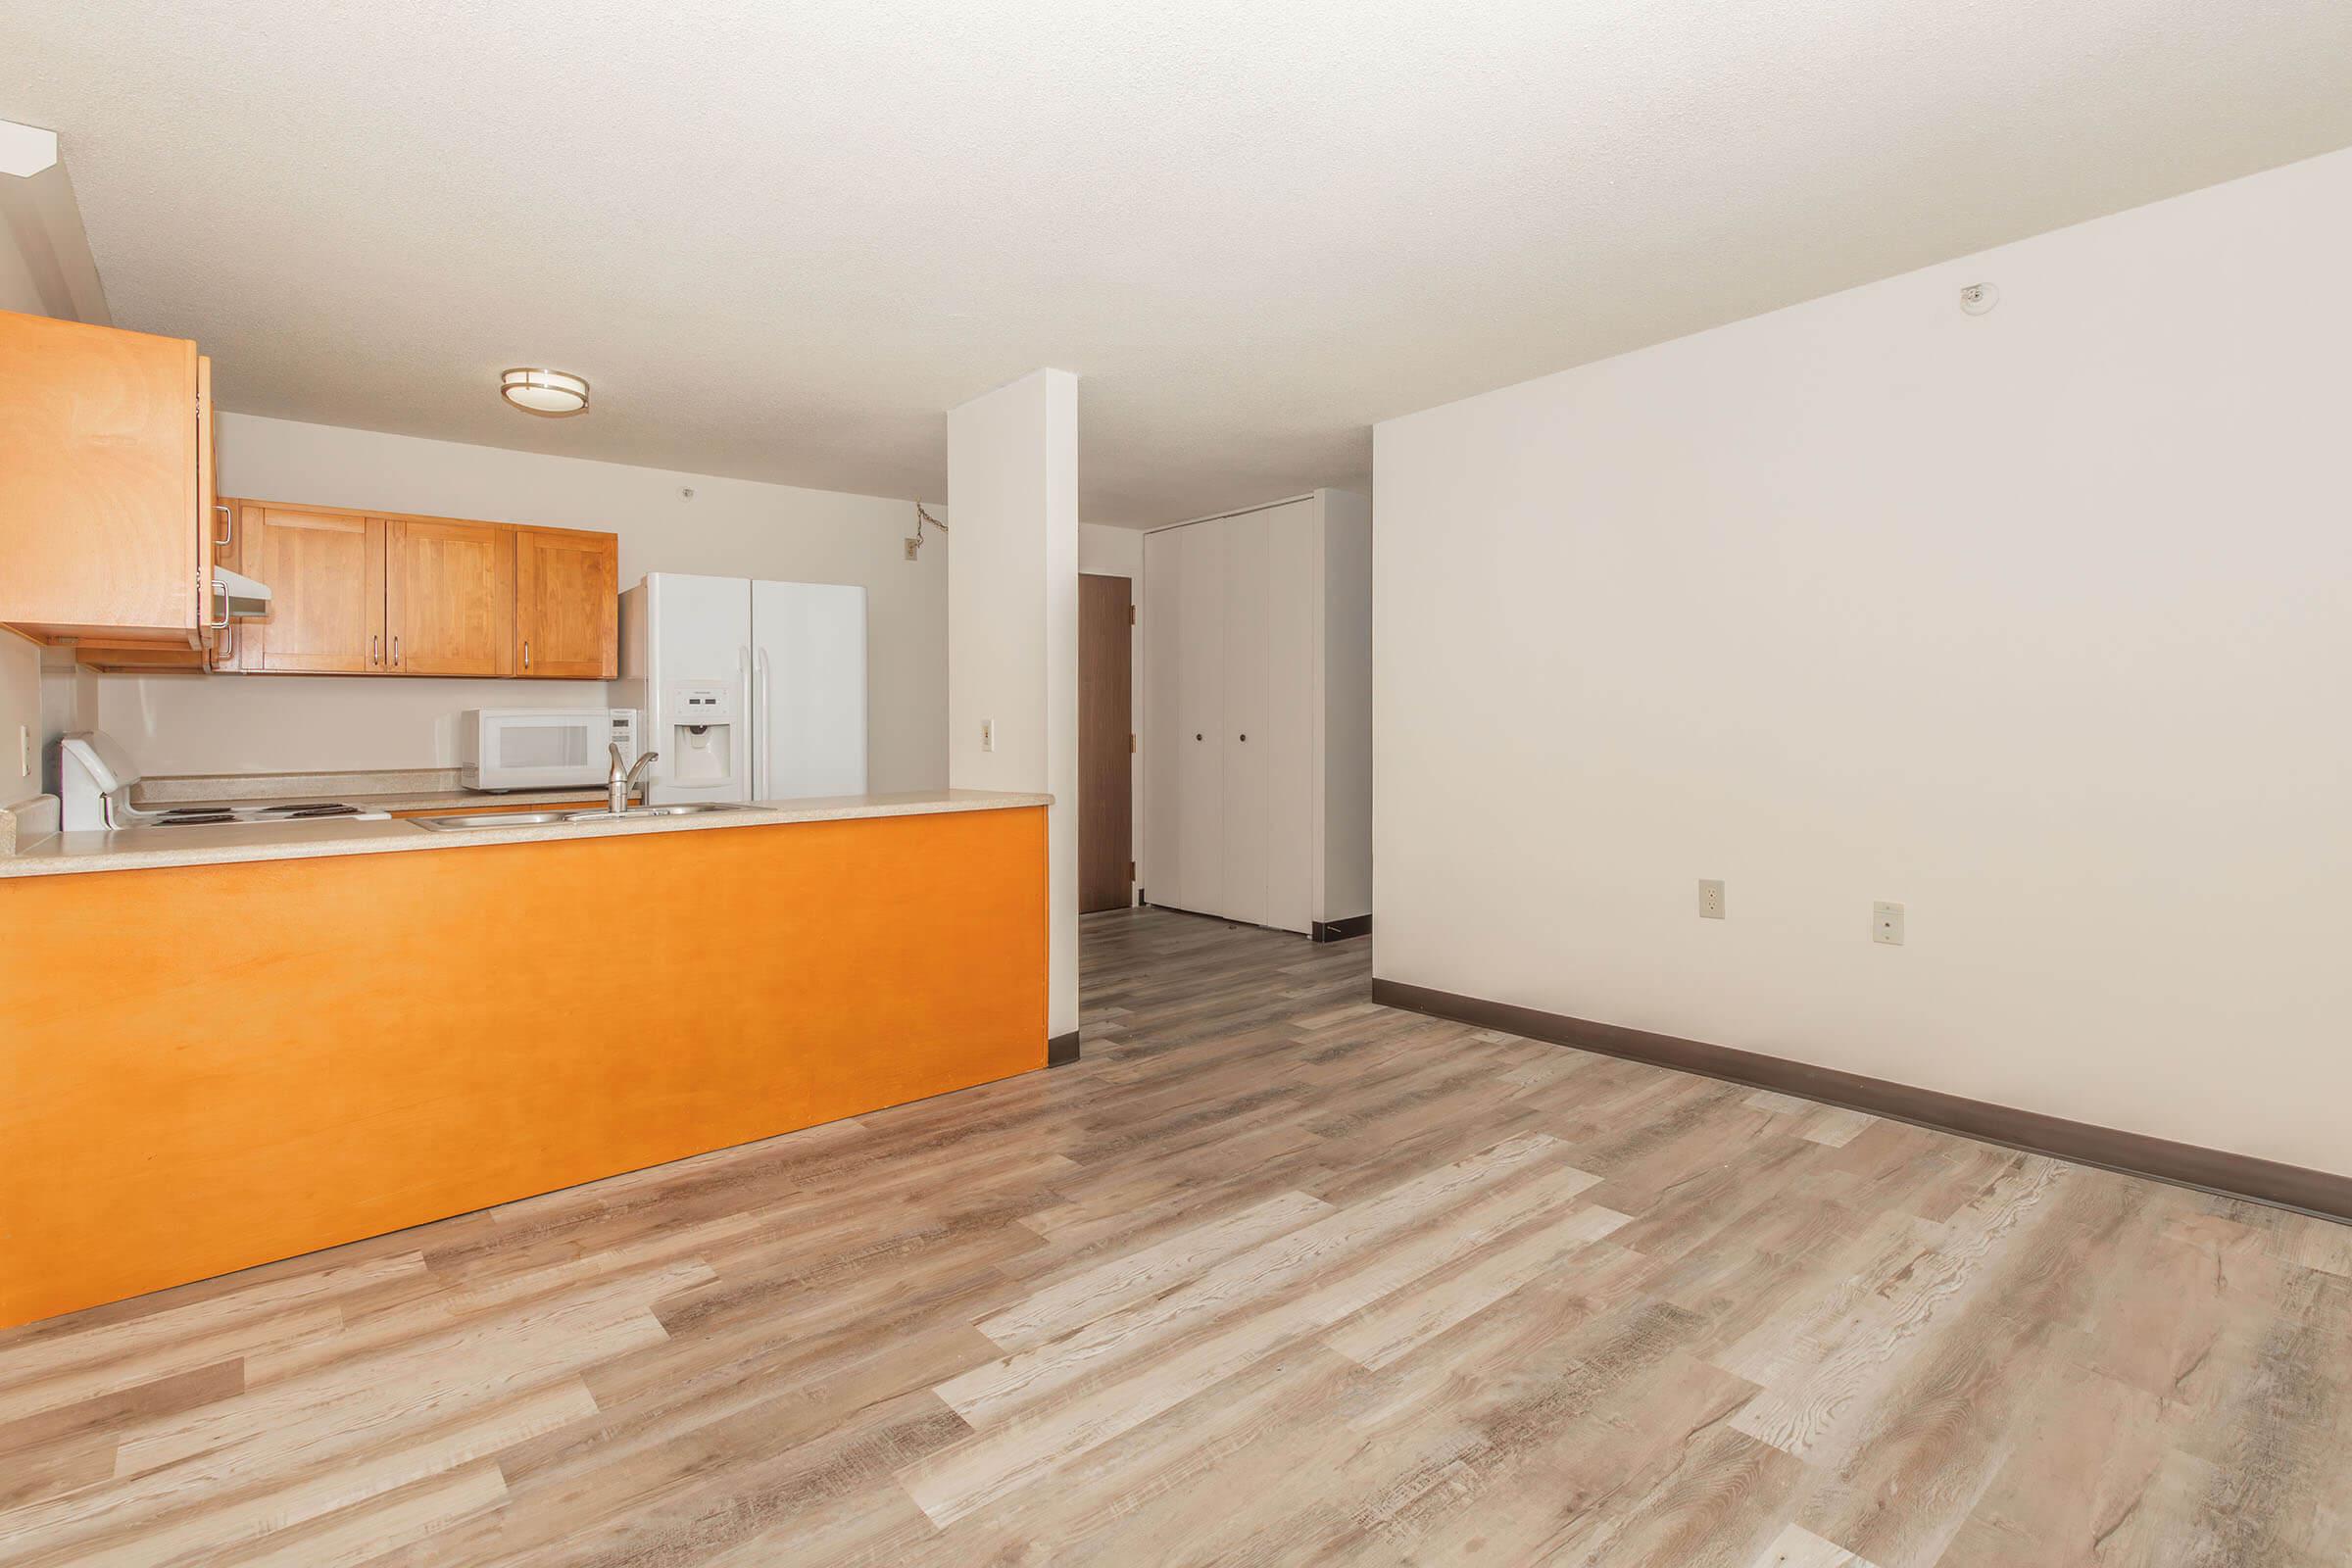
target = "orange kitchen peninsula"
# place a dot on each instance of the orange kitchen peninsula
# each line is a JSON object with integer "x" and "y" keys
{"x": 208, "y": 1066}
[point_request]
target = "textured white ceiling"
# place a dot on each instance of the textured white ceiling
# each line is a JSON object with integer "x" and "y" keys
{"x": 781, "y": 239}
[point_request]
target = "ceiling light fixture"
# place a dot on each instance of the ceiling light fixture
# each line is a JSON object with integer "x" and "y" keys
{"x": 549, "y": 394}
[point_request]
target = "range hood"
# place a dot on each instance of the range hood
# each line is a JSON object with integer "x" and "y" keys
{"x": 242, "y": 595}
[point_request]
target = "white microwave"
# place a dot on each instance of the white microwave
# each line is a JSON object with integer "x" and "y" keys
{"x": 541, "y": 748}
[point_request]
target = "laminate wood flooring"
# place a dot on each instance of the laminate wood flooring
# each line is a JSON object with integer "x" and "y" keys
{"x": 1273, "y": 1276}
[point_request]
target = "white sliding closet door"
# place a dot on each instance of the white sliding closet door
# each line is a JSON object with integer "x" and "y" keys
{"x": 1293, "y": 577}
{"x": 1247, "y": 811}
{"x": 1201, "y": 702}
{"x": 1166, "y": 743}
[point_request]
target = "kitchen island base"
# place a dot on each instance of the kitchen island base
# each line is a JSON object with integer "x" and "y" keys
{"x": 205, "y": 1067}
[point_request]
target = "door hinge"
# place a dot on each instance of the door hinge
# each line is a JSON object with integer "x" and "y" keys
{"x": 1131, "y": 743}
{"x": 1130, "y": 614}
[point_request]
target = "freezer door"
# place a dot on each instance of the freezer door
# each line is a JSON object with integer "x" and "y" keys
{"x": 697, "y": 692}
{"x": 808, "y": 690}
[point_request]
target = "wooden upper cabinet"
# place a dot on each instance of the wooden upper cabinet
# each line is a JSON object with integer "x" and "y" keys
{"x": 449, "y": 597}
{"x": 325, "y": 575}
{"x": 228, "y": 542}
{"x": 100, "y": 491}
{"x": 567, "y": 604}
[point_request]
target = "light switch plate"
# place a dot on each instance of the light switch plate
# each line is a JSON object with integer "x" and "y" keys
{"x": 988, "y": 734}
{"x": 1886, "y": 923}
{"x": 1711, "y": 899}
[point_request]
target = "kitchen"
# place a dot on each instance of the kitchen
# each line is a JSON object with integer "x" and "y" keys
{"x": 275, "y": 658}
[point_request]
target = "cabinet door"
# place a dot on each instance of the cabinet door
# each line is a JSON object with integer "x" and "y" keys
{"x": 1166, "y": 743}
{"x": 211, "y": 613}
{"x": 229, "y": 646}
{"x": 1201, "y": 700}
{"x": 567, "y": 605}
{"x": 326, "y": 573}
{"x": 98, "y": 426}
{"x": 449, "y": 598}
{"x": 1245, "y": 827}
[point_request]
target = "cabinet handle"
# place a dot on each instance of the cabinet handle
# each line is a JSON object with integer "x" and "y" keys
{"x": 223, "y": 624}
{"x": 229, "y": 526}
{"x": 1197, "y": 737}
{"x": 1244, "y": 736}
{"x": 395, "y": 656}
{"x": 526, "y": 655}
{"x": 375, "y": 648}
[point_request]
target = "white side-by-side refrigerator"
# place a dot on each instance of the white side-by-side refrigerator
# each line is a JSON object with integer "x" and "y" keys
{"x": 750, "y": 690}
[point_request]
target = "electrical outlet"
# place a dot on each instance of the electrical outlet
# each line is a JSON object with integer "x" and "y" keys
{"x": 1887, "y": 924}
{"x": 988, "y": 734}
{"x": 1710, "y": 900}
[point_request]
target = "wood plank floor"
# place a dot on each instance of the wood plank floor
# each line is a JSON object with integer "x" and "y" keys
{"x": 1273, "y": 1276}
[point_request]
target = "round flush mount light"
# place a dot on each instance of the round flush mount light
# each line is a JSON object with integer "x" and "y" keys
{"x": 549, "y": 394}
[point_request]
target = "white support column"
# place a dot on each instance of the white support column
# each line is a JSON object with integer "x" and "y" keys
{"x": 1012, "y": 627}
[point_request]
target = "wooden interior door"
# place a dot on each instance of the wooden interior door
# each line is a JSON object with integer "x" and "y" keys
{"x": 1105, "y": 742}
{"x": 450, "y": 606}
{"x": 325, "y": 575}
{"x": 567, "y": 605}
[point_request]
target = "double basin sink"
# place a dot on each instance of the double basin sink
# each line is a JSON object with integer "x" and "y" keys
{"x": 469, "y": 822}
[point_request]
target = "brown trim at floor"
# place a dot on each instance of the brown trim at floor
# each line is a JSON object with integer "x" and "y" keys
{"x": 1355, "y": 926}
{"x": 2212, "y": 1171}
{"x": 1062, "y": 1050}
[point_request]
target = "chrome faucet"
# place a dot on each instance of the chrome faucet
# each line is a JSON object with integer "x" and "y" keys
{"x": 623, "y": 779}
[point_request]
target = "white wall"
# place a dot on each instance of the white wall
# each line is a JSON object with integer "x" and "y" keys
{"x": 2036, "y": 623}
{"x": 1108, "y": 552}
{"x": 19, "y": 710}
{"x": 1012, "y": 627}
{"x": 237, "y": 723}
{"x": 1344, "y": 748}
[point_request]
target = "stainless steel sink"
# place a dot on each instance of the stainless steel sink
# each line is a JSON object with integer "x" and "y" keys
{"x": 471, "y": 820}
{"x": 476, "y": 822}
{"x": 686, "y": 808}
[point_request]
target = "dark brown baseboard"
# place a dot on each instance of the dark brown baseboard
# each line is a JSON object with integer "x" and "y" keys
{"x": 1062, "y": 1050}
{"x": 1355, "y": 926}
{"x": 2212, "y": 1171}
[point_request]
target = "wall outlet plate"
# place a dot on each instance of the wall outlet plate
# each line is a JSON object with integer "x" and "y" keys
{"x": 1711, "y": 899}
{"x": 988, "y": 734}
{"x": 1886, "y": 923}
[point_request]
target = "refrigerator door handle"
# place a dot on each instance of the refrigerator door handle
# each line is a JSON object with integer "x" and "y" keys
{"x": 759, "y": 729}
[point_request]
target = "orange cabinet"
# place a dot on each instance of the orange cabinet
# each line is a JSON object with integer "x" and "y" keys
{"x": 359, "y": 593}
{"x": 325, "y": 575}
{"x": 105, "y": 485}
{"x": 449, "y": 597}
{"x": 567, "y": 604}
{"x": 227, "y": 551}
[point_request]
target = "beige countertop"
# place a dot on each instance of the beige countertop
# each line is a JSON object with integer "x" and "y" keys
{"x": 149, "y": 848}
